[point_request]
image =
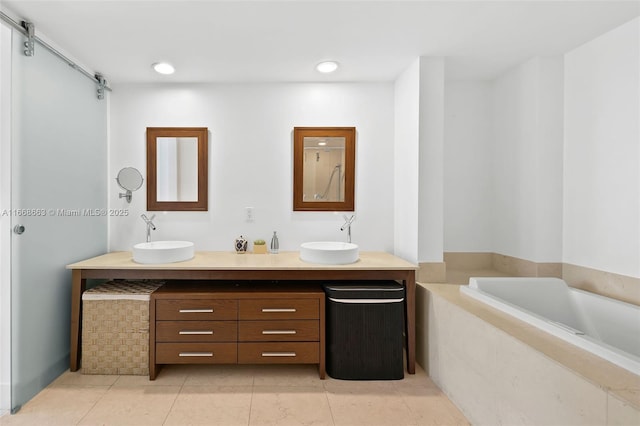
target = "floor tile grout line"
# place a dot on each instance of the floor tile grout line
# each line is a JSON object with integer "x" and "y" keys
{"x": 251, "y": 401}
{"x": 98, "y": 400}
{"x": 174, "y": 401}
{"x": 326, "y": 392}
{"x": 414, "y": 415}
{"x": 253, "y": 390}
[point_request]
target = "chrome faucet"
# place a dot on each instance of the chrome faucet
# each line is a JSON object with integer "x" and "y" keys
{"x": 150, "y": 225}
{"x": 347, "y": 225}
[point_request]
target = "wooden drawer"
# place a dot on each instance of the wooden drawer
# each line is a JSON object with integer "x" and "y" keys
{"x": 196, "y": 331}
{"x": 279, "y": 331}
{"x": 196, "y": 353}
{"x": 196, "y": 309}
{"x": 279, "y": 353}
{"x": 269, "y": 309}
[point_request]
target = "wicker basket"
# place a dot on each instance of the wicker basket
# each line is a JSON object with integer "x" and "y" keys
{"x": 115, "y": 327}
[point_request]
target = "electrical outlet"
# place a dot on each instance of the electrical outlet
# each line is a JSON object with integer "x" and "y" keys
{"x": 248, "y": 214}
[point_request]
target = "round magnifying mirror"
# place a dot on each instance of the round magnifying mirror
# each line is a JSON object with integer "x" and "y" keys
{"x": 129, "y": 179}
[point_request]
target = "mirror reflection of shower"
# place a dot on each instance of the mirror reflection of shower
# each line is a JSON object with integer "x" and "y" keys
{"x": 324, "y": 177}
{"x": 338, "y": 180}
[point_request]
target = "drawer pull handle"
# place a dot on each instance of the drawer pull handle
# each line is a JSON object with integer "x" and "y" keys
{"x": 289, "y": 354}
{"x": 196, "y": 354}
{"x": 271, "y": 310}
{"x": 278, "y": 332}
{"x": 208, "y": 332}
{"x": 196, "y": 311}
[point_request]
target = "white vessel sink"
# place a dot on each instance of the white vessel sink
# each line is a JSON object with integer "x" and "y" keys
{"x": 329, "y": 252}
{"x": 163, "y": 251}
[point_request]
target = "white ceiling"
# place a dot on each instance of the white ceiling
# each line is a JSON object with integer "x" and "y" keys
{"x": 264, "y": 40}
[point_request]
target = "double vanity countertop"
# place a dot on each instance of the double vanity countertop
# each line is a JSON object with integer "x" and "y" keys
{"x": 227, "y": 260}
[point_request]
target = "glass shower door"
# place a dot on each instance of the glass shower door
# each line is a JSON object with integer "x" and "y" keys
{"x": 58, "y": 205}
{"x": 5, "y": 221}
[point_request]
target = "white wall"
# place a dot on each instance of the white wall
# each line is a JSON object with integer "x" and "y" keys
{"x": 511, "y": 171}
{"x": 250, "y": 160}
{"x": 418, "y": 170}
{"x": 503, "y": 163}
{"x": 527, "y": 161}
{"x": 549, "y": 159}
{"x": 513, "y": 126}
{"x": 467, "y": 175}
{"x": 565, "y": 158}
{"x": 406, "y": 173}
{"x": 602, "y": 153}
{"x": 430, "y": 205}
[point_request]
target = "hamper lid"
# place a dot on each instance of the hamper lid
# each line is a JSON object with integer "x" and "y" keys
{"x": 123, "y": 290}
{"x": 364, "y": 290}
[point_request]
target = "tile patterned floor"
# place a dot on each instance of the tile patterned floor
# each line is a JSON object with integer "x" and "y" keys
{"x": 237, "y": 395}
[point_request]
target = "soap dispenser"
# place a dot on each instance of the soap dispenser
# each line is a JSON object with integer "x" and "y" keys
{"x": 275, "y": 244}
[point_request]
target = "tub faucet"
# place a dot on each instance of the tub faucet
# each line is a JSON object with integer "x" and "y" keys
{"x": 347, "y": 225}
{"x": 150, "y": 225}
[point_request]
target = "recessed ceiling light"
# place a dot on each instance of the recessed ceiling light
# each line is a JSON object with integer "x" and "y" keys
{"x": 327, "y": 66}
{"x": 322, "y": 143}
{"x": 163, "y": 68}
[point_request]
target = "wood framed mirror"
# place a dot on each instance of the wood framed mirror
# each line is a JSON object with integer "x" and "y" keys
{"x": 324, "y": 163}
{"x": 177, "y": 168}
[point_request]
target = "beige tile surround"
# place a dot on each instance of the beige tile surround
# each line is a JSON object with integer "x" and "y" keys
{"x": 433, "y": 272}
{"x": 457, "y": 267}
{"x": 499, "y": 370}
{"x": 506, "y": 265}
{"x": 460, "y": 266}
{"x": 605, "y": 283}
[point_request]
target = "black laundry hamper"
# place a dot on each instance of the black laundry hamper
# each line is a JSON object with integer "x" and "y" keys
{"x": 364, "y": 330}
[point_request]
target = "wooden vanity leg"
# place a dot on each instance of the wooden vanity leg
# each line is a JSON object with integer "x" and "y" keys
{"x": 78, "y": 286}
{"x": 322, "y": 370}
{"x": 410, "y": 288}
{"x": 153, "y": 367}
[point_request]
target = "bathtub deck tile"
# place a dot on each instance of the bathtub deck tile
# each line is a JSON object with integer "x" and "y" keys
{"x": 496, "y": 318}
{"x": 547, "y": 391}
{"x": 630, "y": 397}
{"x": 592, "y": 368}
{"x": 471, "y": 391}
{"x": 621, "y": 413}
{"x": 508, "y": 415}
{"x": 476, "y": 341}
{"x": 598, "y": 372}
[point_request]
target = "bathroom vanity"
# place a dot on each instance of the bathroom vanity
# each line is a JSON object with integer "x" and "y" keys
{"x": 210, "y": 277}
